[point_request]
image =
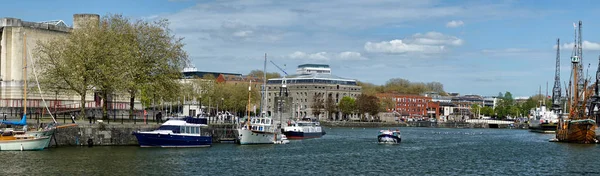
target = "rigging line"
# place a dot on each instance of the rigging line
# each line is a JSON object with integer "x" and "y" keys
{"x": 39, "y": 88}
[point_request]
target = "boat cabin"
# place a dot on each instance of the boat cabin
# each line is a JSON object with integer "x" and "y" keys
{"x": 261, "y": 124}
{"x": 183, "y": 126}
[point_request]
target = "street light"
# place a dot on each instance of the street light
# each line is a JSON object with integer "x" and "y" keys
{"x": 222, "y": 105}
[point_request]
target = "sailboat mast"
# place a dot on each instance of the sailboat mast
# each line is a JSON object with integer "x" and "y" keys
{"x": 265, "y": 98}
{"x": 25, "y": 74}
{"x": 248, "y": 113}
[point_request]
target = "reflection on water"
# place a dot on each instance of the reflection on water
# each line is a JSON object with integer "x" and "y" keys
{"x": 343, "y": 151}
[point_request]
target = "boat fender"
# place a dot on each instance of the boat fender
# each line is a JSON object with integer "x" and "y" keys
{"x": 90, "y": 142}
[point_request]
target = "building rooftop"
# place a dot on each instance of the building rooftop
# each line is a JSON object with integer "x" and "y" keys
{"x": 313, "y": 78}
{"x": 314, "y": 65}
{"x": 55, "y": 25}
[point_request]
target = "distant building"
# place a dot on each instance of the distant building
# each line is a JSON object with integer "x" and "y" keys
{"x": 490, "y": 101}
{"x": 414, "y": 106}
{"x": 311, "y": 80}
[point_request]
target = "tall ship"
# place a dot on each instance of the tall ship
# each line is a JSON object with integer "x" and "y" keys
{"x": 543, "y": 120}
{"x": 262, "y": 129}
{"x": 580, "y": 125}
{"x": 302, "y": 129}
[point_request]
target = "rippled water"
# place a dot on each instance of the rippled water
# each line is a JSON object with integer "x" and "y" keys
{"x": 343, "y": 151}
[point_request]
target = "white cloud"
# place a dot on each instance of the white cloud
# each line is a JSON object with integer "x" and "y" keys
{"x": 431, "y": 42}
{"x": 325, "y": 56}
{"x": 587, "y": 45}
{"x": 453, "y": 24}
{"x": 242, "y": 33}
{"x": 349, "y": 55}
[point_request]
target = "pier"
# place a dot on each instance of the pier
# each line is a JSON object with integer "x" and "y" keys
{"x": 103, "y": 134}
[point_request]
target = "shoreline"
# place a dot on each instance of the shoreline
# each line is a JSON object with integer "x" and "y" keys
{"x": 417, "y": 124}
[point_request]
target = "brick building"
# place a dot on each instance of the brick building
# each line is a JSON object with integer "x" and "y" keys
{"x": 413, "y": 106}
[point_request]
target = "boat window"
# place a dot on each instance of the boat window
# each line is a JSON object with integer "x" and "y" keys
{"x": 188, "y": 130}
{"x": 198, "y": 130}
{"x": 262, "y": 121}
{"x": 175, "y": 129}
{"x": 183, "y": 129}
{"x": 268, "y": 121}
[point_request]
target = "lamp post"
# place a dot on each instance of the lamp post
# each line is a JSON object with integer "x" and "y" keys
{"x": 217, "y": 113}
{"x": 223, "y": 107}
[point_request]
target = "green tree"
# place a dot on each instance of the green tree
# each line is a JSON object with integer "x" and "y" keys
{"x": 71, "y": 60}
{"x": 347, "y": 106}
{"x": 487, "y": 111}
{"x": 156, "y": 63}
{"x": 476, "y": 110}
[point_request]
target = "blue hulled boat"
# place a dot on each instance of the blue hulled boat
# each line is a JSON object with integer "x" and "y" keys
{"x": 186, "y": 132}
{"x": 389, "y": 137}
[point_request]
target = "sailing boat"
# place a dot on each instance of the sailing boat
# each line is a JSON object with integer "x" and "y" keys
{"x": 260, "y": 130}
{"x": 11, "y": 140}
{"x": 579, "y": 127}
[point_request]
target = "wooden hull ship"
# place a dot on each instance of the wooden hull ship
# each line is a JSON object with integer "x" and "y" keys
{"x": 577, "y": 131}
{"x": 580, "y": 125}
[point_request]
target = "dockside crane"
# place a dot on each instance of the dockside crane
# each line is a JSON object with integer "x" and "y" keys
{"x": 556, "y": 90}
{"x": 283, "y": 90}
{"x": 279, "y": 68}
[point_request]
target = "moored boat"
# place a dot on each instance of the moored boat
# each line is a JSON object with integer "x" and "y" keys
{"x": 303, "y": 129}
{"x": 185, "y": 132}
{"x": 543, "y": 120}
{"x": 389, "y": 137}
{"x": 11, "y": 141}
{"x": 580, "y": 126}
{"x": 260, "y": 131}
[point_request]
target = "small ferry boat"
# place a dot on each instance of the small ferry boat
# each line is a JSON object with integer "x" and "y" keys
{"x": 303, "y": 129}
{"x": 389, "y": 137}
{"x": 186, "y": 132}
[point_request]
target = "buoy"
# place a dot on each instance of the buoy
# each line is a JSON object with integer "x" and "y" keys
{"x": 21, "y": 147}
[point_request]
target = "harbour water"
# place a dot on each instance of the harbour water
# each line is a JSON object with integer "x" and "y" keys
{"x": 343, "y": 151}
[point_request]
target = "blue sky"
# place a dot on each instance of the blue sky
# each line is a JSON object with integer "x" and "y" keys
{"x": 472, "y": 47}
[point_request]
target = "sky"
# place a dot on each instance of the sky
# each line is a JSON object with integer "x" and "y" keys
{"x": 472, "y": 47}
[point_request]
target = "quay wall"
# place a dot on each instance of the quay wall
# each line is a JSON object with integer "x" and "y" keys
{"x": 417, "y": 124}
{"x": 122, "y": 134}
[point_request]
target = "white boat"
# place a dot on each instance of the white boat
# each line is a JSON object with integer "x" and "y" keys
{"x": 543, "y": 120}
{"x": 21, "y": 142}
{"x": 389, "y": 137}
{"x": 261, "y": 131}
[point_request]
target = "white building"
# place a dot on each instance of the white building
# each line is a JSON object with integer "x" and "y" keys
{"x": 313, "y": 68}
